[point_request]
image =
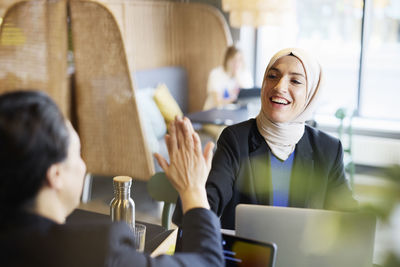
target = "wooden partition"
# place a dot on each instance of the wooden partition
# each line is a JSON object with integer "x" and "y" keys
{"x": 113, "y": 142}
{"x": 162, "y": 33}
{"x": 33, "y": 49}
{"x": 110, "y": 42}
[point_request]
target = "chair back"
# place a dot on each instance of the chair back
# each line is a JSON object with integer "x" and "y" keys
{"x": 160, "y": 189}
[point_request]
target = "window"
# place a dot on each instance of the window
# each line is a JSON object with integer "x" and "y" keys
{"x": 380, "y": 86}
{"x": 333, "y": 30}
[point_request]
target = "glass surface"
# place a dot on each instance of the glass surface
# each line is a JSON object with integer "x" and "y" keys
{"x": 381, "y": 87}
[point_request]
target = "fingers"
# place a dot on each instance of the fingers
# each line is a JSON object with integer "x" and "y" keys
{"x": 180, "y": 135}
{"x": 197, "y": 144}
{"x": 186, "y": 119}
{"x": 173, "y": 143}
{"x": 187, "y": 133}
{"x": 208, "y": 153}
{"x": 184, "y": 130}
{"x": 167, "y": 139}
{"x": 161, "y": 160}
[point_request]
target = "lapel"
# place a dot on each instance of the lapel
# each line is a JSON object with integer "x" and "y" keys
{"x": 260, "y": 166}
{"x": 302, "y": 171}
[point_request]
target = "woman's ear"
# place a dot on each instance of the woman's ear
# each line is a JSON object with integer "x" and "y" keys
{"x": 53, "y": 176}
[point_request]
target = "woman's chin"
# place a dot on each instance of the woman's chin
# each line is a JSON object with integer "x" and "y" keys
{"x": 278, "y": 118}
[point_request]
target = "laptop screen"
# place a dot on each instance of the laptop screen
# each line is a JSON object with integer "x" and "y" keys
{"x": 242, "y": 252}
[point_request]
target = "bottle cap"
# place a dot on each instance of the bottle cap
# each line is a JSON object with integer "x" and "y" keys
{"x": 122, "y": 181}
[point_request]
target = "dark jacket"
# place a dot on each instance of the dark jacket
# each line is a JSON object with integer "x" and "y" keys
{"x": 31, "y": 240}
{"x": 240, "y": 173}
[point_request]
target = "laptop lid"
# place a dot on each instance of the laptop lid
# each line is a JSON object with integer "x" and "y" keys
{"x": 251, "y": 95}
{"x": 249, "y": 92}
{"x": 309, "y": 237}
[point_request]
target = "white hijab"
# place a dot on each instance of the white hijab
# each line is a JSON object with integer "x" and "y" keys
{"x": 283, "y": 137}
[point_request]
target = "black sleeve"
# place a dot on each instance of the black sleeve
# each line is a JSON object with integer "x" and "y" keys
{"x": 201, "y": 244}
{"x": 224, "y": 170}
{"x": 339, "y": 194}
{"x": 222, "y": 175}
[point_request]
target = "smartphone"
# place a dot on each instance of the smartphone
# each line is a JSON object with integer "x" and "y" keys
{"x": 245, "y": 252}
{"x": 242, "y": 252}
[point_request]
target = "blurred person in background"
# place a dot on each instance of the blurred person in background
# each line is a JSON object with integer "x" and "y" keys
{"x": 224, "y": 84}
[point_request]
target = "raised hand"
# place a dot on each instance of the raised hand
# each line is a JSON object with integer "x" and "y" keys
{"x": 189, "y": 167}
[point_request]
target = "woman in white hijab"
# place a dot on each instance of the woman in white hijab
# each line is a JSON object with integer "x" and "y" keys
{"x": 276, "y": 159}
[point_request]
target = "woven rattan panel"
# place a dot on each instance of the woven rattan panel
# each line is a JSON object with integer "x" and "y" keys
{"x": 108, "y": 121}
{"x": 164, "y": 33}
{"x": 33, "y": 49}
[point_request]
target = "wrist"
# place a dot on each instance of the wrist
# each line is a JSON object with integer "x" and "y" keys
{"x": 194, "y": 198}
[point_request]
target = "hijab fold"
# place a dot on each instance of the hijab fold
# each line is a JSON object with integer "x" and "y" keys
{"x": 283, "y": 137}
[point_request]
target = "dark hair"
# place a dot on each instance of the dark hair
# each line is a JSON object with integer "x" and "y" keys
{"x": 33, "y": 136}
{"x": 230, "y": 52}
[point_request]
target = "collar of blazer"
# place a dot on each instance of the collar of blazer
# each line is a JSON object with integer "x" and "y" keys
{"x": 259, "y": 146}
{"x": 302, "y": 170}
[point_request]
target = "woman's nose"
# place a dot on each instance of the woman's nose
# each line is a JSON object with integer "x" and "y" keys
{"x": 281, "y": 85}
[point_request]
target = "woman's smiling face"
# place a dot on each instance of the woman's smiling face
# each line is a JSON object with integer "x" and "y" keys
{"x": 284, "y": 90}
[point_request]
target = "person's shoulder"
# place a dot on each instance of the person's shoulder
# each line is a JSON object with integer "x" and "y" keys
{"x": 241, "y": 129}
{"x": 240, "y": 134}
{"x": 217, "y": 71}
{"x": 321, "y": 139}
{"x": 219, "y": 74}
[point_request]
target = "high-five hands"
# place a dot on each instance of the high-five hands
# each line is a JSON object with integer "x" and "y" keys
{"x": 189, "y": 167}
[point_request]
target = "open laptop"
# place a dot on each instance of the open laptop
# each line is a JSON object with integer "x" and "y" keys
{"x": 249, "y": 95}
{"x": 309, "y": 237}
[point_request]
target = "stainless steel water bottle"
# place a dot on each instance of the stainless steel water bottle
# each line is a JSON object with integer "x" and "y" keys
{"x": 122, "y": 207}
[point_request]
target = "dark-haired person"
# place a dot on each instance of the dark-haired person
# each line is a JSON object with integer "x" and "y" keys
{"x": 41, "y": 177}
{"x": 276, "y": 159}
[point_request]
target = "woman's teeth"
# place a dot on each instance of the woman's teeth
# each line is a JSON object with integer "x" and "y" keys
{"x": 279, "y": 100}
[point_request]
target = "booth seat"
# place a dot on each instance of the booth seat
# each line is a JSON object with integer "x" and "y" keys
{"x": 147, "y": 82}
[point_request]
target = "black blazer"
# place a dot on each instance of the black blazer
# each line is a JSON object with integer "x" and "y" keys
{"x": 31, "y": 240}
{"x": 240, "y": 173}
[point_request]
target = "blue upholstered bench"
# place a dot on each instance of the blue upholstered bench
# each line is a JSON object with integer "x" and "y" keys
{"x": 175, "y": 78}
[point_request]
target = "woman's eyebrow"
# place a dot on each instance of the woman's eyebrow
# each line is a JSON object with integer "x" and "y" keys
{"x": 291, "y": 73}
{"x": 296, "y": 73}
{"x": 273, "y": 68}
